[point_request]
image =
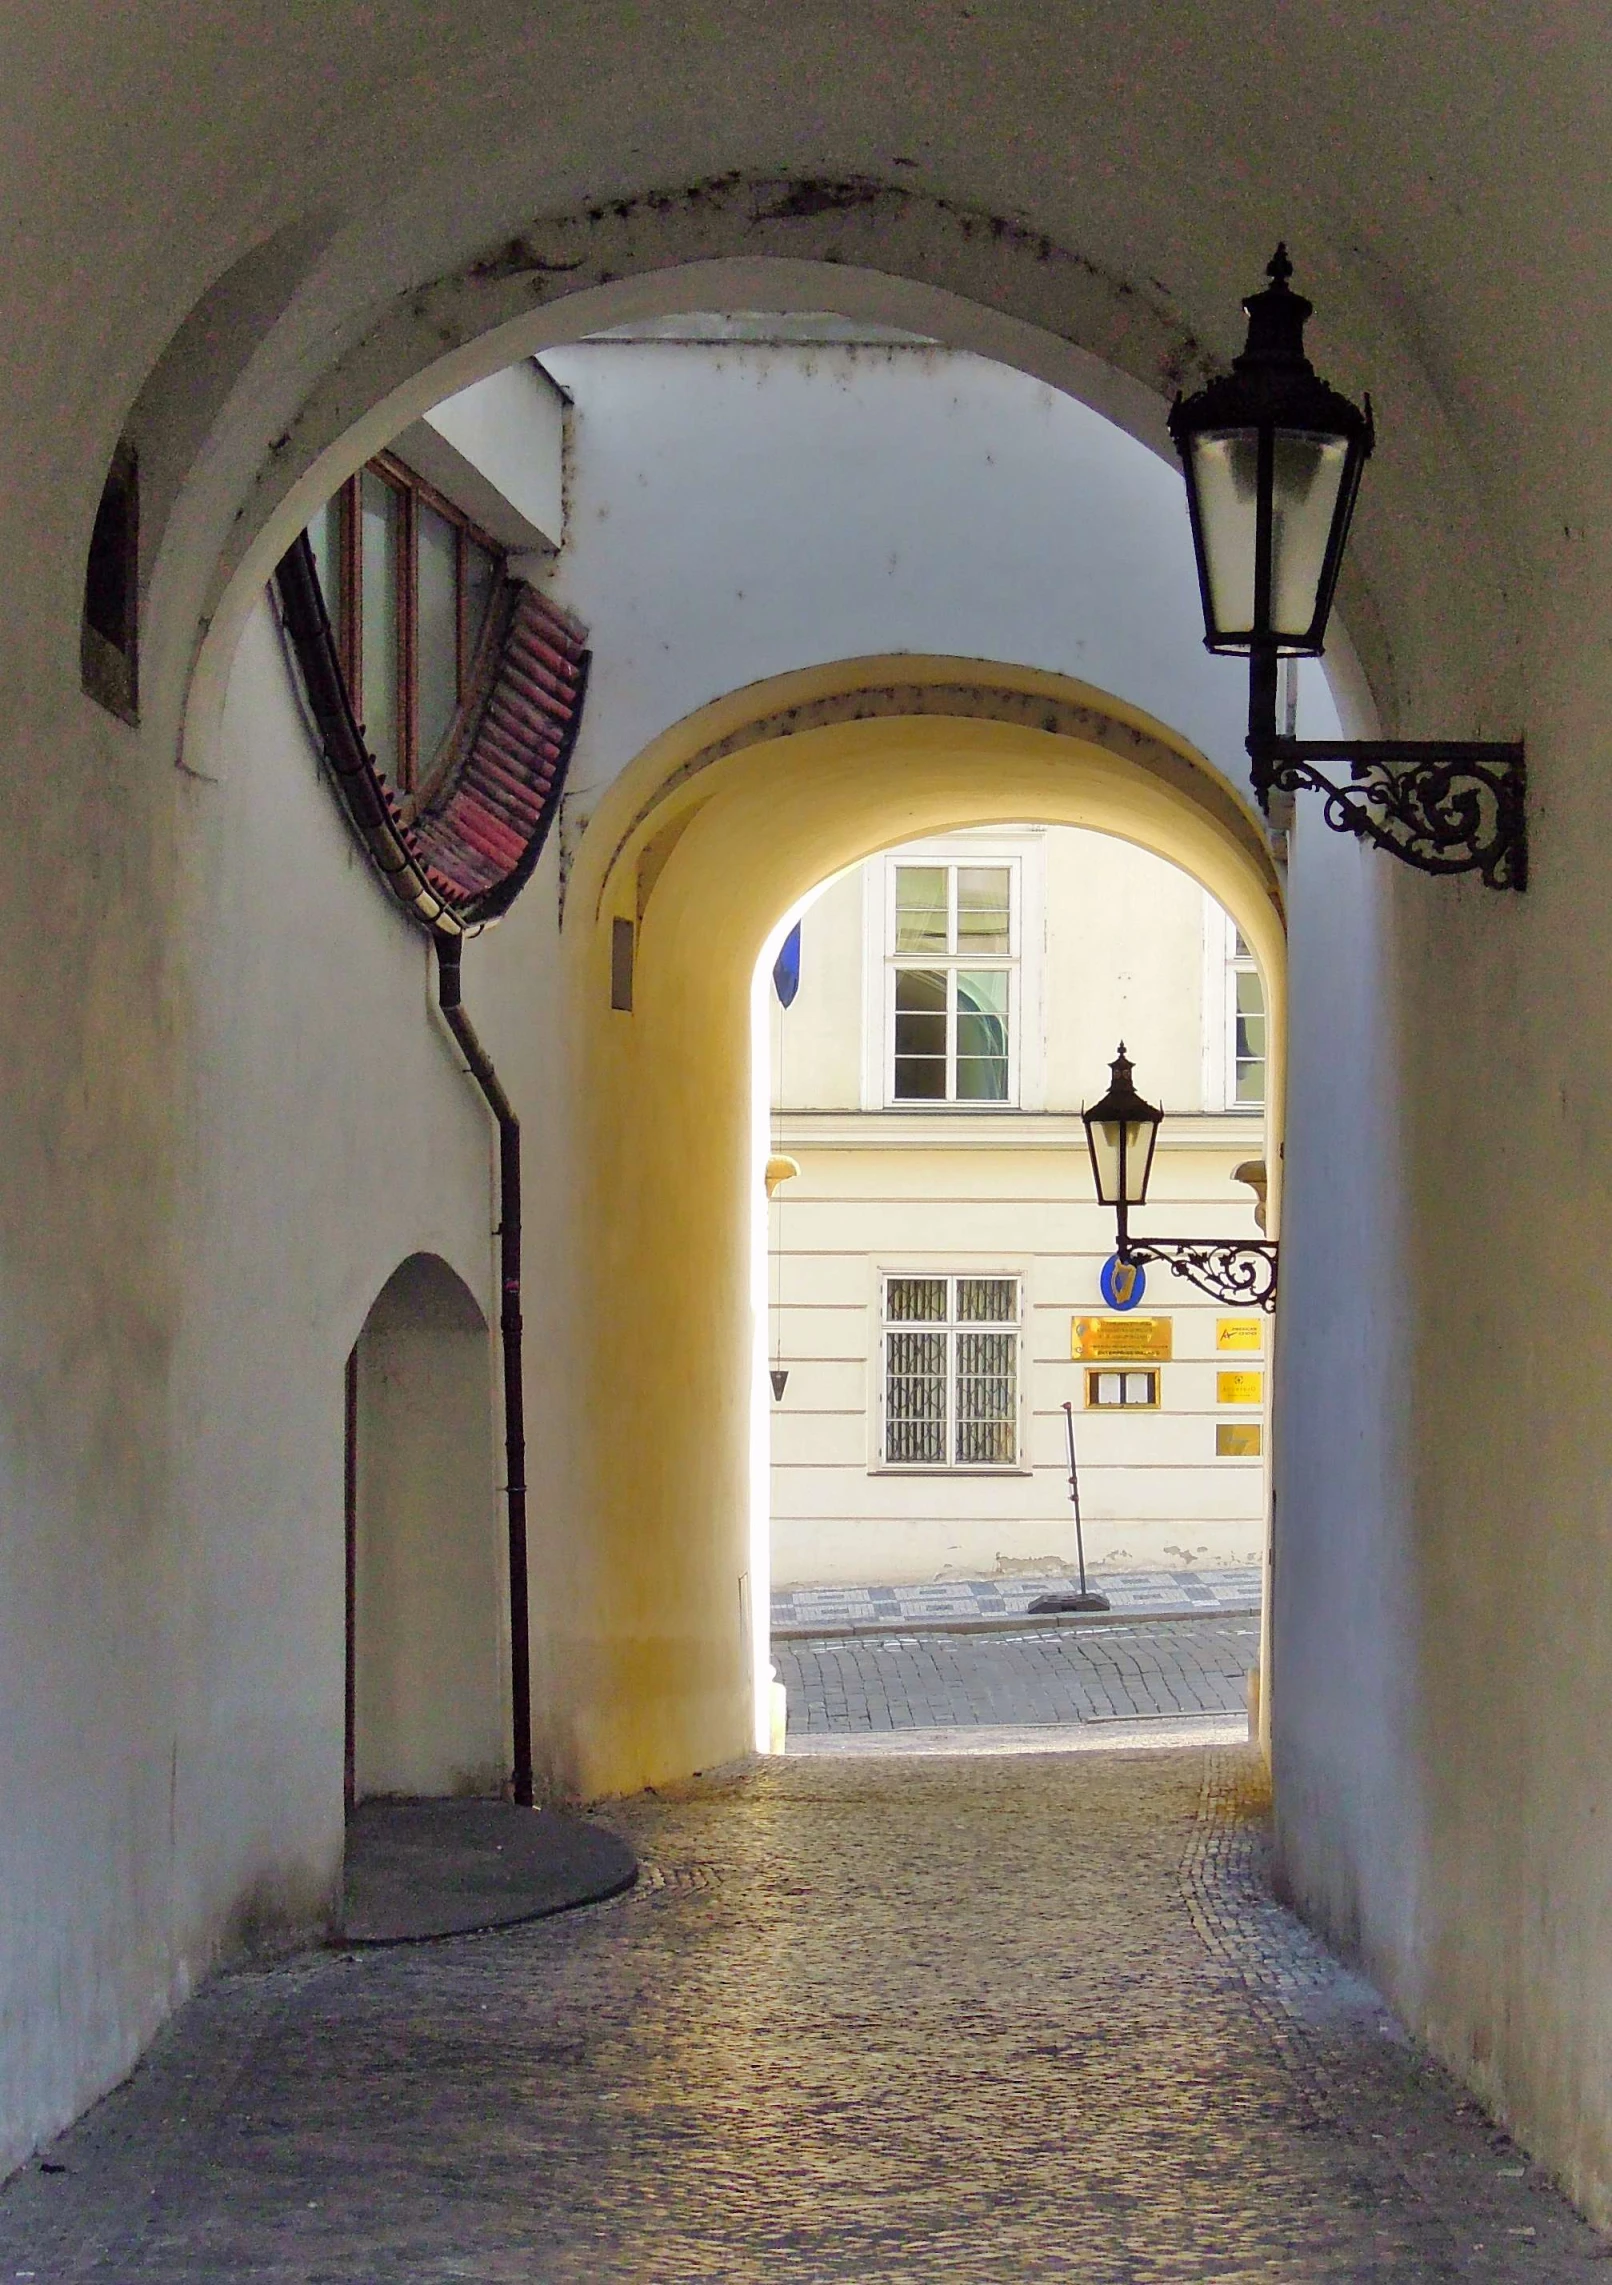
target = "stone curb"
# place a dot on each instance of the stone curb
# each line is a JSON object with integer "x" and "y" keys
{"x": 1023, "y": 1622}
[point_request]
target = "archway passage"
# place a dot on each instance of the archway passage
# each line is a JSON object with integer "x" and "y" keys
{"x": 692, "y": 859}
{"x": 426, "y": 1622}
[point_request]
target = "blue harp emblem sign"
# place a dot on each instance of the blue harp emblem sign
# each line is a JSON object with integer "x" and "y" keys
{"x": 1123, "y": 1283}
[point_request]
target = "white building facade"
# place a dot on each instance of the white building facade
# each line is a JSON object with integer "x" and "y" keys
{"x": 935, "y": 1265}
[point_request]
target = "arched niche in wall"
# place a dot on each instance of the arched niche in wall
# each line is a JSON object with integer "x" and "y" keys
{"x": 426, "y": 1616}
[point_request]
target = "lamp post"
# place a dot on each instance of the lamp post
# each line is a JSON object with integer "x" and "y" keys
{"x": 1122, "y": 1131}
{"x": 1273, "y": 459}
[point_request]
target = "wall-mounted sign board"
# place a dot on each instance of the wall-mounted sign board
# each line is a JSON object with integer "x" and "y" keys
{"x": 1237, "y": 1440}
{"x": 1239, "y": 1388}
{"x": 1239, "y": 1333}
{"x": 1121, "y": 1340}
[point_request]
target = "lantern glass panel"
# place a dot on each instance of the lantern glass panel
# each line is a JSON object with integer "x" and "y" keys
{"x": 1309, "y": 473}
{"x": 1225, "y": 468}
{"x": 1308, "y": 470}
{"x": 1139, "y": 1136}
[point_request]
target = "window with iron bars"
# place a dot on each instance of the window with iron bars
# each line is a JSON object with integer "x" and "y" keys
{"x": 951, "y": 1372}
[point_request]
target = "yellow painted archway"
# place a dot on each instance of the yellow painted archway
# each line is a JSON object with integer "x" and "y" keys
{"x": 693, "y": 856}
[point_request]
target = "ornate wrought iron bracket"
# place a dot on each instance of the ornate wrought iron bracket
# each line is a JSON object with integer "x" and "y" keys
{"x": 1444, "y": 805}
{"x": 1239, "y": 1271}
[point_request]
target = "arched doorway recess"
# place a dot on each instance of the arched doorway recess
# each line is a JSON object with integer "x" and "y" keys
{"x": 690, "y": 861}
{"x": 427, "y": 1616}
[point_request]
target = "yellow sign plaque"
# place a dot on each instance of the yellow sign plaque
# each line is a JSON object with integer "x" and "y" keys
{"x": 1239, "y": 1388}
{"x": 1237, "y": 1440}
{"x": 1239, "y": 1333}
{"x": 1121, "y": 1340}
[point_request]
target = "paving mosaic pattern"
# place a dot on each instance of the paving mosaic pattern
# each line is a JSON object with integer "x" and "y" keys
{"x": 948, "y": 2022}
{"x": 1074, "y": 1674}
{"x": 812, "y": 1609}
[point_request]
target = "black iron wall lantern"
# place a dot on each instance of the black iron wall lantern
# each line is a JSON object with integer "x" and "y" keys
{"x": 1121, "y": 1132}
{"x": 1273, "y": 460}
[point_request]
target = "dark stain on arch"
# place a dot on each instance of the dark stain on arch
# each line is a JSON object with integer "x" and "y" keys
{"x": 785, "y": 200}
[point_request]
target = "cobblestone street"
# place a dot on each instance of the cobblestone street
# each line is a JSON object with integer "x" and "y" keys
{"x": 1089, "y": 1674}
{"x": 900, "y": 2019}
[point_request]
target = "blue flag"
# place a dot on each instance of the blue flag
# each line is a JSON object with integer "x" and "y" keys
{"x": 786, "y": 969}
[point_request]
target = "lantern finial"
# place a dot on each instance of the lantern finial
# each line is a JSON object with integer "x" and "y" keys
{"x": 1276, "y": 320}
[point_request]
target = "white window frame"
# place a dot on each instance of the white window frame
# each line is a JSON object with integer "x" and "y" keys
{"x": 1222, "y": 964}
{"x": 878, "y": 1463}
{"x": 1023, "y": 853}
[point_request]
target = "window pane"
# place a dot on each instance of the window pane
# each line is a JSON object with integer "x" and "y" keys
{"x": 986, "y": 1399}
{"x": 481, "y": 584}
{"x": 982, "y": 1035}
{"x": 1109, "y": 1387}
{"x": 382, "y": 536}
{"x": 1250, "y": 1037}
{"x": 921, "y": 908}
{"x": 436, "y": 658}
{"x": 920, "y": 1035}
{"x": 982, "y": 908}
{"x": 324, "y": 537}
{"x": 915, "y": 1393}
{"x": 915, "y": 1300}
{"x": 987, "y": 1301}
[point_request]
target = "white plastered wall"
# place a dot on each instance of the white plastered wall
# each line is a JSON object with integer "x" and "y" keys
{"x": 330, "y": 1135}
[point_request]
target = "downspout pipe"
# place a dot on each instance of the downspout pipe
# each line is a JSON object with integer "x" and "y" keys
{"x": 450, "y": 954}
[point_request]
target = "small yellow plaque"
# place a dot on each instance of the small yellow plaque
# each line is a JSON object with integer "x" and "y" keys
{"x": 1239, "y": 1333}
{"x": 1239, "y": 1388}
{"x": 1121, "y": 1340}
{"x": 1238, "y": 1440}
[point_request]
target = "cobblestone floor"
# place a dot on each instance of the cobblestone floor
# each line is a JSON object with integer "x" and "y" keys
{"x": 951, "y": 2021}
{"x": 1078, "y": 1674}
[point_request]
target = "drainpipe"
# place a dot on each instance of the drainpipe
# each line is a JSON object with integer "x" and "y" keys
{"x": 450, "y": 952}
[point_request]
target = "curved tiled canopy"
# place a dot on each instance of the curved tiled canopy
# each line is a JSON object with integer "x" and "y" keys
{"x": 460, "y": 858}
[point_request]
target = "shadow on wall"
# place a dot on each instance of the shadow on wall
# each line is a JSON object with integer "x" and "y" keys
{"x": 426, "y": 1615}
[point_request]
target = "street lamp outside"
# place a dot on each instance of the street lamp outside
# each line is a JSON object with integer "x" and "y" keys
{"x": 1122, "y": 1130}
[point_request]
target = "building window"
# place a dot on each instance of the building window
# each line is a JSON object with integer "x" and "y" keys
{"x": 1130, "y": 1391}
{"x": 409, "y": 583}
{"x": 1245, "y": 1026}
{"x": 951, "y": 1372}
{"x": 953, "y": 983}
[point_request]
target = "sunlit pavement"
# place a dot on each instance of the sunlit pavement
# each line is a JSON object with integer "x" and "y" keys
{"x": 938, "y": 2018}
{"x": 1169, "y": 1671}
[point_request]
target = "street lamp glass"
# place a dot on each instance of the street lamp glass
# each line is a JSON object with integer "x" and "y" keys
{"x": 1121, "y": 1131}
{"x": 1307, "y": 476}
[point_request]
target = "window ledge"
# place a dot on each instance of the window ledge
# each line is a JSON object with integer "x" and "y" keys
{"x": 919, "y": 1468}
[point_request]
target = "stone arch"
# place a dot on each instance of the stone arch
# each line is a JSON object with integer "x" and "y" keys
{"x": 697, "y": 851}
{"x": 427, "y": 1616}
{"x": 972, "y": 278}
